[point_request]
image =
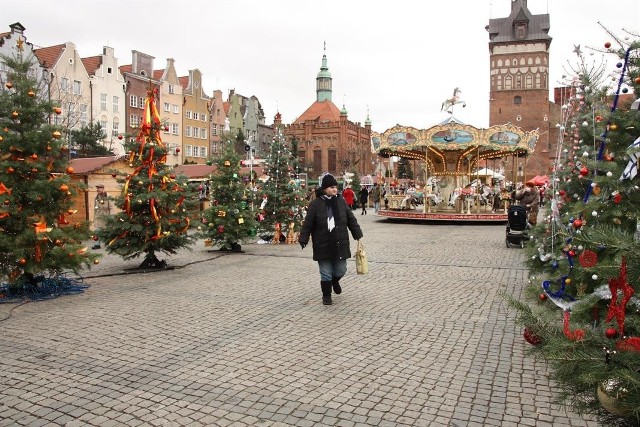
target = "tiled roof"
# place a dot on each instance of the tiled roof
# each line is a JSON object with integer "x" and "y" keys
{"x": 320, "y": 111}
{"x": 157, "y": 74}
{"x": 184, "y": 81}
{"x": 125, "y": 68}
{"x": 226, "y": 106}
{"x": 501, "y": 29}
{"x": 48, "y": 56}
{"x": 89, "y": 164}
{"x": 92, "y": 63}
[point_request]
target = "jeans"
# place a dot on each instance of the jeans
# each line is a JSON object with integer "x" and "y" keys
{"x": 332, "y": 268}
{"x": 376, "y": 206}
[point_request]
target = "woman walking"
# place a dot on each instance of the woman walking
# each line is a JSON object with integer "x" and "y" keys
{"x": 328, "y": 223}
{"x": 364, "y": 200}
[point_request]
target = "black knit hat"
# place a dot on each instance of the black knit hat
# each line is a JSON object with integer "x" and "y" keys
{"x": 328, "y": 181}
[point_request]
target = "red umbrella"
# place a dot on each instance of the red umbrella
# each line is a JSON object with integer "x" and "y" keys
{"x": 540, "y": 180}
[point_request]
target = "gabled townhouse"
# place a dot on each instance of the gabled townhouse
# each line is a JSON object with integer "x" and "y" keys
{"x": 217, "y": 120}
{"x": 195, "y": 118}
{"x": 13, "y": 44}
{"x": 138, "y": 77}
{"x": 235, "y": 114}
{"x": 246, "y": 114}
{"x": 107, "y": 93}
{"x": 170, "y": 109}
{"x": 68, "y": 86}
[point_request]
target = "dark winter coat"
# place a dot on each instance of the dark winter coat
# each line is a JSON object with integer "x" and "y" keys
{"x": 332, "y": 245}
{"x": 364, "y": 196}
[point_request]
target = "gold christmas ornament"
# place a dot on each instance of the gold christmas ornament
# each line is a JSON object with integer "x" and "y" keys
{"x": 96, "y": 261}
{"x": 222, "y": 214}
{"x": 31, "y": 93}
{"x": 15, "y": 114}
{"x": 227, "y": 163}
{"x": 56, "y": 134}
{"x": 8, "y": 85}
{"x": 240, "y": 220}
{"x": 612, "y": 396}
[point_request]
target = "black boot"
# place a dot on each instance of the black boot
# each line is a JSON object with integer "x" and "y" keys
{"x": 336, "y": 285}
{"x": 326, "y": 292}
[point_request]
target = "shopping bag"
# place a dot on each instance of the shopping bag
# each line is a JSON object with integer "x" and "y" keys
{"x": 362, "y": 265}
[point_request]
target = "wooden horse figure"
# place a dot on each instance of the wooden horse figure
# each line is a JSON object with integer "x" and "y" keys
{"x": 448, "y": 104}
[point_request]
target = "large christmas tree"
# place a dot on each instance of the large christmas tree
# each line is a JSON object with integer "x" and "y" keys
{"x": 283, "y": 198}
{"x": 229, "y": 220}
{"x": 582, "y": 310}
{"x": 155, "y": 203}
{"x": 38, "y": 241}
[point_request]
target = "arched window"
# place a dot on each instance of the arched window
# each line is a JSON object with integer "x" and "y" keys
{"x": 508, "y": 84}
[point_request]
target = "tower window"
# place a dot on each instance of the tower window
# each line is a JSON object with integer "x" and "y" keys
{"x": 517, "y": 100}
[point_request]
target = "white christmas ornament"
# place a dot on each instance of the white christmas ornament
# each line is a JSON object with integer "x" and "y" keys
{"x": 609, "y": 174}
{"x": 594, "y": 277}
{"x": 594, "y": 213}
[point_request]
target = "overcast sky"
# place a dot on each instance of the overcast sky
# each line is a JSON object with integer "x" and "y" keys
{"x": 397, "y": 60}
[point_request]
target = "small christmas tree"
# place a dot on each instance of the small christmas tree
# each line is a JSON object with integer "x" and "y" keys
{"x": 283, "y": 198}
{"x": 229, "y": 220}
{"x": 582, "y": 310}
{"x": 36, "y": 192}
{"x": 155, "y": 203}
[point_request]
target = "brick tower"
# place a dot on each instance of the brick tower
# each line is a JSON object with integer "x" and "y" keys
{"x": 519, "y": 85}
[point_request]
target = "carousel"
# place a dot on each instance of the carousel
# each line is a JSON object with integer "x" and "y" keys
{"x": 460, "y": 170}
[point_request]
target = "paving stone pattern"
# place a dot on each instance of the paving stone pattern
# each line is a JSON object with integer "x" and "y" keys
{"x": 243, "y": 340}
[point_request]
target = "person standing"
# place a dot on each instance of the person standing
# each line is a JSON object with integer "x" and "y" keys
{"x": 102, "y": 209}
{"x": 375, "y": 195}
{"x": 529, "y": 196}
{"x": 328, "y": 223}
{"x": 349, "y": 196}
{"x": 364, "y": 199}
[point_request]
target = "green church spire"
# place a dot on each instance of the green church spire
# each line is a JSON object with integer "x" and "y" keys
{"x": 323, "y": 80}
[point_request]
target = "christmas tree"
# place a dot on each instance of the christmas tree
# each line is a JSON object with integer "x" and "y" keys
{"x": 283, "y": 198}
{"x": 229, "y": 220}
{"x": 154, "y": 202}
{"x": 582, "y": 310}
{"x": 38, "y": 241}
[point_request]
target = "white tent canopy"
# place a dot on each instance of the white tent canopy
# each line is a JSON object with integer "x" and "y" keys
{"x": 487, "y": 172}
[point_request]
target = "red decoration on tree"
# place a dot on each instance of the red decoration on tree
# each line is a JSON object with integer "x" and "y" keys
{"x": 119, "y": 136}
{"x": 221, "y": 229}
{"x": 576, "y": 335}
{"x": 531, "y": 338}
{"x": 617, "y": 198}
{"x": 588, "y": 258}
{"x": 584, "y": 171}
{"x": 611, "y": 333}
{"x": 607, "y": 45}
{"x": 629, "y": 344}
{"x": 577, "y": 223}
{"x": 543, "y": 297}
{"x": 617, "y": 309}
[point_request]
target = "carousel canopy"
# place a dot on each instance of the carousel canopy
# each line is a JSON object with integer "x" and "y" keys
{"x": 453, "y": 148}
{"x": 487, "y": 172}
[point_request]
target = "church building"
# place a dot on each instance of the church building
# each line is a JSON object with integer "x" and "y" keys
{"x": 327, "y": 140}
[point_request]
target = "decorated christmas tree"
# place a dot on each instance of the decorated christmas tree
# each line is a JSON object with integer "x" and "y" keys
{"x": 582, "y": 311}
{"x": 38, "y": 240}
{"x": 229, "y": 220}
{"x": 283, "y": 198}
{"x": 154, "y": 202}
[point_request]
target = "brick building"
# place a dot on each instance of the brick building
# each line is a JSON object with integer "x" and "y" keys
{"x": 327, "y": 140}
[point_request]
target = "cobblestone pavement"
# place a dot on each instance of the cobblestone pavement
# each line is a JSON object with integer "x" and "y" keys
{"x": 243, "y": 339}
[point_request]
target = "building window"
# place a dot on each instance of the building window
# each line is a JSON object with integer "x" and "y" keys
{"x": 196, "y": 132}
{"x": 174, "y": 128}
{"x": 141, "y": 104}
{"x": 103, "y": 102}
{"x": 83, "y": 114}
{"x": 116, "y": 101}
{"x": 332, "y": 160}
{"x": 103, "y": 124}
{"x": 115, "y": 128}
{"x": 203, "y": 133}
{"x": 64, "y": 84}
{"x": 529, "y": 81}
{"x": 214, "y": 129}
{"x": 133, "y": 120}
{"x": 195, "y": 116}
{"x": 188, "y": 114}
{"x": 187, "y": 131}
{"x": 317, "y": 161}
{"x": 188, "y": 150}
{"x": 203, "y": 152}
{"x": 133, "y": 101}
{"x": 508, "y": 83}
{"x": 203, "y": 117}
{"x": 167, "y": 107}
{"x": 517, "y": 100}
{"x": 77, "y": 90}
{"x": 518, "y": 81}
{"x": 176, "y": 109}
{"x": 172, "y": 89}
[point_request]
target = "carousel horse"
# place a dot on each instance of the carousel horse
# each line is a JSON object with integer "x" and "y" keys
{"x": 432, "y": 191}
{"x": 448, "y": 104}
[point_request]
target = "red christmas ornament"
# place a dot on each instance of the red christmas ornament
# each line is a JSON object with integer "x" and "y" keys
{"x": 95, "y": 238}
{"x": 611, "y": 333}
{"x": 178, "y": 150}
{"x": 220, "y": 229}
{"x": 577, "y": 223}
{"x": 607, "y": 45}
{"x": 531, "y": 338}
{"x": 562, "y": 193}
{"x": 543, "y": 297}
{"x": 584, "y": 171}
{"x": 119, "y": 136}
{"x": 588, "y": 258}
{"x": 113, "y": 175}
{"x": 617, "y": 198}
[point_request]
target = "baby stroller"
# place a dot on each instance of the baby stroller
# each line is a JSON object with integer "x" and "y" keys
{"x": 516, "y": 225}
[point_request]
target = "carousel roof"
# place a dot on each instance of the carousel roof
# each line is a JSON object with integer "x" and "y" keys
{"x": 451, "y": 145}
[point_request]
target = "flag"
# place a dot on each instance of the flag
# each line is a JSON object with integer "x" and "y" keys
{"x": 632, "y": 167}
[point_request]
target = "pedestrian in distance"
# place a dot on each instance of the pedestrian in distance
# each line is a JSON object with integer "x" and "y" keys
{"x": 102, "y": 209}
{"x": 364, "y": 199}
{"x": 349, "y": 196}
{"x": 529, "y": 197}
{"x": 375, "y": 195}
{"x": 328, "y": 223}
